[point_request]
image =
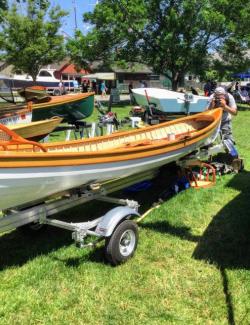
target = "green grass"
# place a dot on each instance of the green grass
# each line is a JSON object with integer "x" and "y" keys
{"x": 191, "y": 266}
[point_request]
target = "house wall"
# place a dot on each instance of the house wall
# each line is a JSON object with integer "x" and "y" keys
{"x": 124, "y": 79}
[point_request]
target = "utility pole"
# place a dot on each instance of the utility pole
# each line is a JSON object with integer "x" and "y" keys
{"x": 74, "y": 6}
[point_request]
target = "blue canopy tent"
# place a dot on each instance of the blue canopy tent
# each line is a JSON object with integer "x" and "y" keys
{"x": 242, "y": 75}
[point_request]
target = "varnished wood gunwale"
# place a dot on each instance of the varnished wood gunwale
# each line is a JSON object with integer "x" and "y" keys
{"x": 14, "y": 159}
{"x": 60, "y": 100}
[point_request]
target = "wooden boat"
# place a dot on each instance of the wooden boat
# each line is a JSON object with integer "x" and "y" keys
{"x": 35, "y": 94}
{"x": 30, "y": 171}
{"x": 71, "y": 107}
{"x": 168, "y": 101}
{"x": 36, "y": 131}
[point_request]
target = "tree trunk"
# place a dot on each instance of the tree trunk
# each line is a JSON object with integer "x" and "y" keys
{"x": 174, "y": 84}
{"x": 177, "y": 79}
{"x": 34, "y": 79}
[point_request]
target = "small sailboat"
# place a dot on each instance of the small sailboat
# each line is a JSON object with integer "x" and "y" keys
{"x": 31, "y": 171}
{"x": 168, "y": 101}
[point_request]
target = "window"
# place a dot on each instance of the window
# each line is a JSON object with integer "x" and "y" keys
{"x": 44, "y": 73}
{"x": 154, "y": 77}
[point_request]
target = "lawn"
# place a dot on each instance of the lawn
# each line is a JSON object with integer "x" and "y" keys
{"x": 192, "y": 264}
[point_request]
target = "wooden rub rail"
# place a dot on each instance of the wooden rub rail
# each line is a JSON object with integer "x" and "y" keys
{"x": 9, "y": 140}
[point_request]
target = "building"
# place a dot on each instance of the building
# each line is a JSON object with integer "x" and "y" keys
{"x": 120, "y": 77}
{"x": 68, "y": 71}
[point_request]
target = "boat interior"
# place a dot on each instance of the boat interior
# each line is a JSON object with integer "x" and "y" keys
{"x": 10, "y": 141}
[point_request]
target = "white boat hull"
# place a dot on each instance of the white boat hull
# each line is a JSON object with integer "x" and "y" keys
{"x": 170, "y": 101}
{"x": 20, "y": 186}
{"x": 17, "y": 119}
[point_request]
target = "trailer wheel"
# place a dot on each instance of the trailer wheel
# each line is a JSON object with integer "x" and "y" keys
{"x": 121, "y": 245}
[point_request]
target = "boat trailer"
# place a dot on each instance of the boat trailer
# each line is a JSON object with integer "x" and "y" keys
{"x": 117, "y": 227}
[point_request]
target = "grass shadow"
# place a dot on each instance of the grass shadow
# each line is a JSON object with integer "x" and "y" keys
{"x": 94, "y": 255}
{"x": 165, "y": 227}
{"x": 16, "y": 247}
{"x": 226, "y": 240}
{"x": 243, "y": 107}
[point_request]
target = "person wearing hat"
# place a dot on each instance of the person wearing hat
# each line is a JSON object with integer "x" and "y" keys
{"x": 221, "y": 98}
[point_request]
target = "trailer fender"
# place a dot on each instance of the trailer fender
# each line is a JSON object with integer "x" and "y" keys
{"x": 112, "y": 218}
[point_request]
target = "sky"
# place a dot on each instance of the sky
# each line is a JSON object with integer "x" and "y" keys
{"x": 81, "y": 6}
{"x": 70, "y": 21}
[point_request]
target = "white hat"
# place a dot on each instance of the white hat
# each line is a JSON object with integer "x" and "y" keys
{"x": 220, "y": 91}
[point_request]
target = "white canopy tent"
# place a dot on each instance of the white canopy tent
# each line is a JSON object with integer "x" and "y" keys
{"x": 100, "y": 76}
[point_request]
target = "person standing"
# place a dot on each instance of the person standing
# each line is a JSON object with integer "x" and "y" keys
{"x": 237, "y": 86}
{"x": 207, "y": 88}
{"x": 103, "y": 89}
{"x": 61, "y": 87}
{"x": 94, "y": 86}
{"x": 221, "y": 98}
{"x": 84, "y": 86}
{"x": 130, "y": 87}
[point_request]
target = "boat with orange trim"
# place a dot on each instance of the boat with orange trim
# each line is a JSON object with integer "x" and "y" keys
{"x": 35, "y": 94}
{"x": 31, "y": 172}
{"x": 70, "y": 107}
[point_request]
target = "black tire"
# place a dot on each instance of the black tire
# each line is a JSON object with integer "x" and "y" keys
{"x": 121, "y": 245}
{"x": 56, "y": 92}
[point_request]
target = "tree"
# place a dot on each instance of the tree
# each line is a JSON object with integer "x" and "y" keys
{"x": 3, "y": 4}
{"x": 172, "y": 36}
{"x": 3, "y": 8}
{"x": 31, "y": 41}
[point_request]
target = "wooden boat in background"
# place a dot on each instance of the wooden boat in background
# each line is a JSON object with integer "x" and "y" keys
{"x": 35, "y": 94}
{"x": 71, "y": 107}
{"x": 36, "y": 131}
{"x": 30, "y": 171}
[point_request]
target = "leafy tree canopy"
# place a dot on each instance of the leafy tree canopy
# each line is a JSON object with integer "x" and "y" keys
{"x": 3, "y": 4}
{"x": 172, "y": 36}
{"x": 32, "y": 40}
